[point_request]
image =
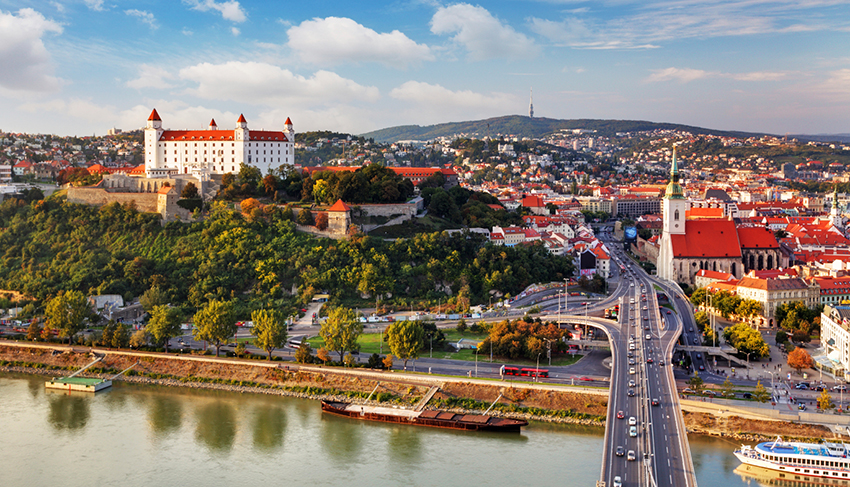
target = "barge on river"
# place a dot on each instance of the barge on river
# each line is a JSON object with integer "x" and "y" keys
{"x": 826, "y": 460}
{"x": 432, "y": 418}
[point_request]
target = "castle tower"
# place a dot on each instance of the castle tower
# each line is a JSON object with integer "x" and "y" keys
{"x": 241, "y": 132}
{"x": 339, "y": 219}
{"x": 673, "y": 206}
{"x": 153, "y": 132}
{"x": 289, "y": 131}
{"x": 212, "y": 126}
{"x": 530, "y": 103}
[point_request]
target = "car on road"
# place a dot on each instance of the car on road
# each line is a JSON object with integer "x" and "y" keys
{"x": 631, "y": 361}
{"x": 631, "y": 393}
{"x": 801, "y": 386}
{"x": 699, "y": 356}
{"x": 819, "y": 388}
{"x": 696, "y": 341}
{"x": 632, "y": 421}
{"x": 655, "y": 402}
{"x": 648, "y": 337}
{"x": 701, "y": 367}
{"x": 649, "y": 360}
{"x": 688, "y": 390}
{"x": 631, "y": 456}
{"x": 630, "y": 354}
{"x": 661, "y": 362}
{"x": 747, "y": 395}
{"x": 646, "y": 327}
{"x": 631, "y": 370}
{"x": 801, "y": 407}
{"x": 620, "y": 415}
{"x": 618, "y": 482}
{"x": 620, "y": 451}
{"x": 632, "y": 383}
{"x": 633, "y": 431}
{"x": 840, "y": 387}
{"x": 691, "y": 329}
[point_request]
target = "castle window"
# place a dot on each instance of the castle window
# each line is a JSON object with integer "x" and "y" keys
{"x": 676, "y": 215}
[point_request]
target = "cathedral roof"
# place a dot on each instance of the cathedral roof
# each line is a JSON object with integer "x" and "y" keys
{"x": 213, "y": 135}
{"x": 154, "y": 116}
{"x": 711, "y": 238}
{"x": 757, "y": 238}
{"x": 241, "y": 119}
{"x": 288, "y": 121}
{"x": 212, "y": 123}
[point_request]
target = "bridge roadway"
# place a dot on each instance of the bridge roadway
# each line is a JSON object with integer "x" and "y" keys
{"x": 662, "y": 453}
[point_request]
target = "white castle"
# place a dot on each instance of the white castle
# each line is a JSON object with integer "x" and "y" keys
{"x": 201, "y": 153}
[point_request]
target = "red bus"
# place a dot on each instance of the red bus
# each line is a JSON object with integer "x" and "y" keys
{"x": 534, "y": 372}
{"x": 510, "y": 370}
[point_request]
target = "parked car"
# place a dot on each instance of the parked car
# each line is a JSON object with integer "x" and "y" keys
{"x": 688, "y": 390}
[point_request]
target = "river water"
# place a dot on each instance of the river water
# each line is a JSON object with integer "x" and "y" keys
{"x": 134, "y": 435}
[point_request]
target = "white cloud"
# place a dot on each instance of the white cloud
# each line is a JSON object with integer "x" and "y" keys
{"x": 686, "y": 75}
{"x": 235, "y": 31}
{"x": 432, "y": 103}
{"x": 483, "y": 36}
{"x": 230, "y": 10}
{"x": 151, "y": 77}
{"x": 96, "y": 5}
{"x": 683, "y": 75}
{"x": 26, "y": 63}
{"x": 264, "y": 84}
{"x": 58, "y": 6}
{"x": 145, "y": 17}
{"x": 76, "y": 108}
{"x": 336, "y": 40}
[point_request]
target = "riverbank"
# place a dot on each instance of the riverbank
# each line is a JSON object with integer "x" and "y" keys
{"x": 520, "y": 401}
{"x": 537, "y": 402}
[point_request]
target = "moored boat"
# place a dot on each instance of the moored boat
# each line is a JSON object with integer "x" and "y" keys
{"x": 826, "y": 460}
{"x": 432, "y": 418}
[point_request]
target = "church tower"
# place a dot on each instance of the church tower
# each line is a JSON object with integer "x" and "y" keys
{"x": 530, "y": 103}
{"x": 673, "y": 206}
{"x": 835, "y": 212}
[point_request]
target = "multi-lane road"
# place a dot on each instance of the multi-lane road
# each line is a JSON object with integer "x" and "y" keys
{"x": 643, "y": 389}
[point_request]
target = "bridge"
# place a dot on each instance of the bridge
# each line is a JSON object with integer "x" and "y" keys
{"x": 642, "y": 385}
{"x": 723, "y": 351}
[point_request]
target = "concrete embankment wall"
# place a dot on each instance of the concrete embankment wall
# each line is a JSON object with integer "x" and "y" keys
{"x": 721, "y": 407}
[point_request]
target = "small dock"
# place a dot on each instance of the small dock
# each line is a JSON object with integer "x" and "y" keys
{"x": 83, "y": 384}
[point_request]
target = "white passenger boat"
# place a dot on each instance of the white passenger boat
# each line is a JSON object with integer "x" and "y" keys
{"x": 827, "y": 460}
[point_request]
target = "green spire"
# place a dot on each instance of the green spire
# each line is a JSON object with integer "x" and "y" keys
{"x": 674, "y": 189}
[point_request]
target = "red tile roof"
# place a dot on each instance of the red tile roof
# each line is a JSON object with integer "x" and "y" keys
{"x": 704, "y": 213}
{"x": 154, "y": 116}
{"x": 722, "y": 276}
{"x": 711, "y": 238}
{"x": 213, "y": 135}
{"x": 532, "y": 202}
{"x": 339, "y": 206}
{"x": 241, "y": 119}
{"x": 757, "y": 238}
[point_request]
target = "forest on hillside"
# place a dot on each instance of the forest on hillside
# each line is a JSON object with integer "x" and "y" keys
{"x": 52, "y": 245}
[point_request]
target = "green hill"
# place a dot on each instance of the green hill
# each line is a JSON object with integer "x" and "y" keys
{"x": 522, "y": 126}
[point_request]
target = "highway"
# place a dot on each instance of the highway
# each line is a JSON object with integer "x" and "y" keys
{"x": 661, "y": 455}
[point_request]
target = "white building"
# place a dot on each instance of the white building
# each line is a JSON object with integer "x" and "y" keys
{"x": 212, "y": 151}
{"x": 5, "y": 173}
{"x": 835, "y": 337}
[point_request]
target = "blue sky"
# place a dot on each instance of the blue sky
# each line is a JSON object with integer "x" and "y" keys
{"x": 79, "y": 67}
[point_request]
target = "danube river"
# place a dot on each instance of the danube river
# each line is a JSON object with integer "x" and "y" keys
{"x": 144, "y": 435}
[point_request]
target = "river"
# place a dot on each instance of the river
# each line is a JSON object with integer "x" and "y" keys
{"x": 134, "y": 435}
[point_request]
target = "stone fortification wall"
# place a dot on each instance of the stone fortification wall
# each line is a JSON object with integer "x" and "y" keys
{"x": 388, "y": 209}
{"x": 145, "y": 202}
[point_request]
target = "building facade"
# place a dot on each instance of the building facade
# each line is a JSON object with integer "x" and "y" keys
{"x": 202, "y": 153}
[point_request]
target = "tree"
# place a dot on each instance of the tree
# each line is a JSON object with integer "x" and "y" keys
{"x": 164, "y": 324}
{"x": 461, "y": 326}
{"x": 322, "y": 220}
{"x": 323, "y": 355}
{"x": 781, "y": 336}
{"x": 33, "y": 331}
{"x": 66, "y": 312}
{"x": 270, "y": 329}
{"x": 698, "y": 297}
{"x": 727, "y": 388}
{"x": 800, "y": 359}
{"x": 46, "y": 333}
{"x": 405, "y": 340}
{"x": 749, "y": 308}
{"x": 388, "y": 362}
{"x": 825, "y": 400}
{"x": 139, "y": 339}
{"x": 215, "y": 323}
{"x": 305, "y": 217}
{"x": 190, "y": 191}
{"x": 696, "y": 383}
{"x": 800, "y": 336}
{"x": 761, "y": 394}
{"x": 153, "y": 297}
{"x": 121, "y": 336}
{"x": 746, "y": 340}
{"x": 702, "y": 320}
{"x": 341, "y": 330}
{"x": 304, "y": 354}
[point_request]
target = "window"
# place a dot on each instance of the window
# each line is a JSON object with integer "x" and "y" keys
{"x": 676, "y": 215}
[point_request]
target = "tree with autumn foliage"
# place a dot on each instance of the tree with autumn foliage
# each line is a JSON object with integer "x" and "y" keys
{"x": 800, "y": 359}
{"x": 523, "y": 339}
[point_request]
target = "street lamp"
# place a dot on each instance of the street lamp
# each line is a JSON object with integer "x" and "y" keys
{"x": 549, "y": 350}
{"x": 748, "y": 364}
{"x": 431, "y": 340}
{"x": 537, "y": 373}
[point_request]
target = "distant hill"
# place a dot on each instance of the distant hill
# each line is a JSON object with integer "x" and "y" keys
{"x": 522, "y": 126}
{"x": 843, "y": 138}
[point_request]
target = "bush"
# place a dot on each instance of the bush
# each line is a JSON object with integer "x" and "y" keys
{"x": 190, "y": 204}
{"x": 305, "y": 217}
{"x": 375, "y": 362}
